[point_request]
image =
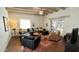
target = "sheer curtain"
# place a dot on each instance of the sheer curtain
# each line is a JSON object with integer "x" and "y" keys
{"x": 57, "y": 24}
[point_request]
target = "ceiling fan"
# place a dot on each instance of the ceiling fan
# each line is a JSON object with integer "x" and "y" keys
{"x": 41, "y": 11}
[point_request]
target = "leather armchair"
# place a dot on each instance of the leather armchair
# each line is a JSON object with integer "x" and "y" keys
{"x": 45, "y": 32}
{"x": 30, "y": 41}
{"x": 74, "y": 36}
{"x": 72, "y": 45}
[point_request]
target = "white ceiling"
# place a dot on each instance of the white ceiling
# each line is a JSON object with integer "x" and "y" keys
{"x": 34, "y": 10}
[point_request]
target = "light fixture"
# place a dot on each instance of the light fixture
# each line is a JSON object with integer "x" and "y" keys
{"x": 41, "y": 12}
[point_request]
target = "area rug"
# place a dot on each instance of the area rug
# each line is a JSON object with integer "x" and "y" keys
{"x": 44, "y": 44}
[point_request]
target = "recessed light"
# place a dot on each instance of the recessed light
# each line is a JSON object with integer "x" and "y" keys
{"x": 41, "y": 12}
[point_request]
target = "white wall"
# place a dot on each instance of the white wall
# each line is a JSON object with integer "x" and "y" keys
{"x": 70, "y": 22}
{"x": 4, "y": 36}
{"x": 1, "y": 20}
{"x": 4, "y": 40}
{"x": 38, "y": 21}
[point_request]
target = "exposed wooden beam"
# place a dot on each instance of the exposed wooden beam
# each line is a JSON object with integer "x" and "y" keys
{"x": 32, "y": 10}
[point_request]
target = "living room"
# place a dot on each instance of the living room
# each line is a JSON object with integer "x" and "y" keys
{"x": 51, "y": 19}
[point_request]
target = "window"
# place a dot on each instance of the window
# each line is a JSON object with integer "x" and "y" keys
{"x": 25, "y": 23}
{"x": 57, "y": 25}
{"x": 54, "y": 25}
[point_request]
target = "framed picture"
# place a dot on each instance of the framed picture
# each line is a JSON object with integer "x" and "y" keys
{"x": 6, "y": 24}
